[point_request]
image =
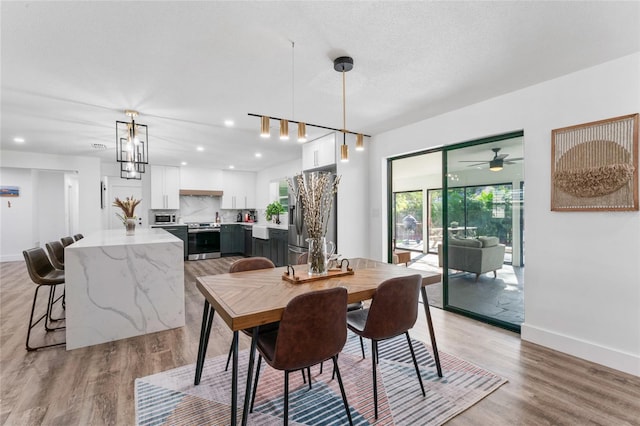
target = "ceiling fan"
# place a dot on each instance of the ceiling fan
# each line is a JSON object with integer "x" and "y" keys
{"x": 496, "y": 163}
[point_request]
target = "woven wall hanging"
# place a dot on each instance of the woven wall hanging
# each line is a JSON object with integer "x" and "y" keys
{"x": 594, "y": 166}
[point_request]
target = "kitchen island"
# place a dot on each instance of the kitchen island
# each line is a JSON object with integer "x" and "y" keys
{"x": 120, "y": 286}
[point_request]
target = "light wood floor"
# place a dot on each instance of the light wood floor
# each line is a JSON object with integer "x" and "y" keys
{"x": 94, "y": 386}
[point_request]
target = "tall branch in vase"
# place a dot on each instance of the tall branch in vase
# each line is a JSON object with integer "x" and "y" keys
{"x": 316, "y": 191}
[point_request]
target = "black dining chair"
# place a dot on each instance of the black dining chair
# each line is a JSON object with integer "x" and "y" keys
{"x": 312, "y": 330}
{"x": 393, "y": 311}
{"x": 43, "y": 274}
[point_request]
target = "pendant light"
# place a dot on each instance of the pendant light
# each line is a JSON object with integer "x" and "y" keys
{"x": 131, "y": 146}
{"x": 284, "y": 130}
{"x": 264, "y": 127}
{"x": 359, "y": 142}
{"x": 302, "y": 132}
{"x": 343, "y": 64}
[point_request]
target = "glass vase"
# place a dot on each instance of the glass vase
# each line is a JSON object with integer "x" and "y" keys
{"x": 319, "y": 255}
{"x": 130, "y": 226}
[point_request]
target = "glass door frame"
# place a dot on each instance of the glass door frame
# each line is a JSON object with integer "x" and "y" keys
{"x": 444, "y": 150}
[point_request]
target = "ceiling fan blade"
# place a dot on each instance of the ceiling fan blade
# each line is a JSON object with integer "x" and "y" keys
{"x": 477, "y": 164}
{"x": 472, "y": 161}
{"x": 516, "y": 159}
{"x": 501, "y": 156}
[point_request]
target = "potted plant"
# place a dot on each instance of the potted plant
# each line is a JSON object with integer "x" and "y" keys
{"x": 274, "y": 209}
{"x": 128, "y": 215}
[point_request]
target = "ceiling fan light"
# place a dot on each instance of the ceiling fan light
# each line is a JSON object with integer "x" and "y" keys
{"x": 359, "y": 142}
{"x": 284, "y": 130}
{"x": 495, "y": 165}
{"x": 302, "y": 132}
{"x": 264, "y": 127}
{"x": 344, "y": 153}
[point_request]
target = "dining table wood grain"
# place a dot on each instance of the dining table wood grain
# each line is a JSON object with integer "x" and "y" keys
{"x": 253, "y": 298}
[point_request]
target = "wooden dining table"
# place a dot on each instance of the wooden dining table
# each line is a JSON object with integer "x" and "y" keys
{"x": 250, "y": 299}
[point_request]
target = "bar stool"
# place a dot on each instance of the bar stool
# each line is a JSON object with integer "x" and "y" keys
{"x": 78, "y": 237}
{"x": 67, "y": 241}
{"x": 42, "y": 273}
{"x": 56, "y": 254}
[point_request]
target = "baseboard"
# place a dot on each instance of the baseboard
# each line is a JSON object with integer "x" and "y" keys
{"x": 612, "y": 358}
{"x": 11, "y": 257}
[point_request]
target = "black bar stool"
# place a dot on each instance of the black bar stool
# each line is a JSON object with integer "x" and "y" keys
{"x": 43, "y": 273}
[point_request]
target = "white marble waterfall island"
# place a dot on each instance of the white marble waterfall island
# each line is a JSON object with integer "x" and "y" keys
{"x": 120, "y": 286}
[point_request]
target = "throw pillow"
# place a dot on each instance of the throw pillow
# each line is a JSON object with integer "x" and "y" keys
{"x": 489, "y": 241}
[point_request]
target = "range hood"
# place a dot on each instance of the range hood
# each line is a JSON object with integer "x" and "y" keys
{"x": 201, "y": 192}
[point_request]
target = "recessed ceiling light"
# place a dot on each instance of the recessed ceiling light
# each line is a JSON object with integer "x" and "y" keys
{"x": 258, "y": 155}
{"x": 228, "y": 123}
{"x": 232, "y": 166}
{"x": 18, "y": 140}
{"x": 184, "y": 163}
{"x": 200, "y": 148}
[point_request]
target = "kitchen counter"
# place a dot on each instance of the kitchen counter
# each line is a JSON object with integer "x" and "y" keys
{"x": 120, "y": 286}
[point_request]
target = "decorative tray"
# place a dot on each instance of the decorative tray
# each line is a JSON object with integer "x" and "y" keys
{"x": 291, "y": 276}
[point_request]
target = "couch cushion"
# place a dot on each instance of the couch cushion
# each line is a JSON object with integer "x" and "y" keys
{"x": 465, "y": 242}
{"x": 489, "y": 241}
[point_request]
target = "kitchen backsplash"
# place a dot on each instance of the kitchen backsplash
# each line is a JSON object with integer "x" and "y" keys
{"x": 194, "y": 208}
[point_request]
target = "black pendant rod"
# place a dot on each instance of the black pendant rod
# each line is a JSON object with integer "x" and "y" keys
{"x": 309, "y": 124}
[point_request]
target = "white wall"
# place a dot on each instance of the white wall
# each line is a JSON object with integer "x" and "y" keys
{"x": 88, "y": 172}
{"x": 582, "y": 291}
{"x": 16, "y": 218}
{"x": 50, "y": 206}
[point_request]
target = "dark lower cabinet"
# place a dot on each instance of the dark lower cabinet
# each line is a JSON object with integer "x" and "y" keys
{"x": 261, "y": 248}
{"x": 279, "y": 245}
{"x": 248, "y": 241}
{"x": 231, "y": 239}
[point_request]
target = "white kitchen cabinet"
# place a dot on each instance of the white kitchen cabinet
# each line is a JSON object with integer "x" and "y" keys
{"x": 319, "y": 153}
{"x": 239, "y": 190}
{"x": 200, "y": 179}
{"x": 165, "y": 187}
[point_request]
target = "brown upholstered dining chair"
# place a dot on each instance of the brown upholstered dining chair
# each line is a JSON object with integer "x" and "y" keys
{"x": 249, "y": 264}
{"x": 56, "y": 254}
{"x": 42, "y": 273}
{"x": 313, "y": 329}
{"x": 67, "y": 241}
{"x": 78, "y": 237}
{"x": 393, "y": 311}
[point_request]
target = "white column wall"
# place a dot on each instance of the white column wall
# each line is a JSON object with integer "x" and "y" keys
{"x": 582, "y": 291}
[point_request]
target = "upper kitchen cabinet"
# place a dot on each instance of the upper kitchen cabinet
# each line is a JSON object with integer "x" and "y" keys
{"x": 319, "y": 153}
{"x": 239, "y": 190}
{"x": 200, "y": 179}
{"x": 165, "y": 188}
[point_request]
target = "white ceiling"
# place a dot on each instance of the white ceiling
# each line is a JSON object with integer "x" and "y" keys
{"x": 70, "y": 69}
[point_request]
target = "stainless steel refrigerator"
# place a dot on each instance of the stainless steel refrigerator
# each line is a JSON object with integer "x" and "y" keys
{"x": 298, "y": 232}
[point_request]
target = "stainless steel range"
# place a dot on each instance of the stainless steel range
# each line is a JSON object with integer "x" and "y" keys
{"x": 204, "y": 240}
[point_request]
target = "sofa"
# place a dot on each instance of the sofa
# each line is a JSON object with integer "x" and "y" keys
{"x": 475, "y": 255}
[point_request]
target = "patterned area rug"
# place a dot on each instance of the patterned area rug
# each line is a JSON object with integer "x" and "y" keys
{"x": 170, "y": 398}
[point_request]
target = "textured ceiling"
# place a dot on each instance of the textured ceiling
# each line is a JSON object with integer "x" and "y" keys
{"x": 69, "y": 69}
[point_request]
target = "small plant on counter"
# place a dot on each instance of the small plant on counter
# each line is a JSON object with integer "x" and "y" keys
{"x": 274, "y": 209}
{"x": 128, "y": 207}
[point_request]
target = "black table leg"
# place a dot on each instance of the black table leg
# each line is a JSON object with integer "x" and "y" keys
{"x": 205, "y": 332}
{"x": 234, "y": 381}
{"x": 247, "y": 392}
{"x": 436, "y": 357}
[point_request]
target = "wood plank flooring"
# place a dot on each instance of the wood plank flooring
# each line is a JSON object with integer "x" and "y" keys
{"x": 94, "y": 386}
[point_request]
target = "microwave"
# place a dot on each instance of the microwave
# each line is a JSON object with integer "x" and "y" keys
{"x": 165, "y": 219}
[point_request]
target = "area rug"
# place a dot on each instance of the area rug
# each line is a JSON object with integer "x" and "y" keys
{"x": 170, "y": 398}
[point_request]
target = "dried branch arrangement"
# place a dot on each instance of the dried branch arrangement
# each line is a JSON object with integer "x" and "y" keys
{"x": 128, "y": 207}
{"x": 316, "y": 191}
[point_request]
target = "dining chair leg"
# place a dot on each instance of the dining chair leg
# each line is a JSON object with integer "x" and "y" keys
{"x": 226, "y": 367}
{"x": 415, "y": 362}
{"x": 434, "y": 346}
{"x": 309, "y": 374}
{"x": 286, "y": 398}
{"x": 255, "y": 384}
{"x": 344, "y": 395}
{"x": 234, "y": 380}
{"x": 362, "y": 347}
{"x": 374, "y": 352}
{"x": 205, "y": 332}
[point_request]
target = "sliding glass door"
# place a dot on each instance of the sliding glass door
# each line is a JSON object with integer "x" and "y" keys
{"x": 481, "y": 221}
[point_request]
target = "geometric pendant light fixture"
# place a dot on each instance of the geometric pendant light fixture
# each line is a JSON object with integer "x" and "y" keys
{"x": 132, "y": 147}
